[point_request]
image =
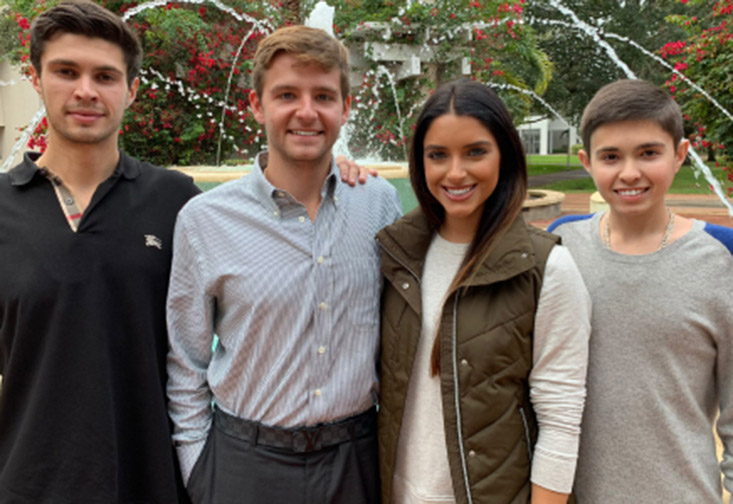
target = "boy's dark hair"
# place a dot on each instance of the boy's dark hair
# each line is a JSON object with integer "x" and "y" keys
{"x": 631, "y": 100}
{"x": 467, "y": 98}
{"x": 83, "y": 17}
{"x": 308, "y": 45}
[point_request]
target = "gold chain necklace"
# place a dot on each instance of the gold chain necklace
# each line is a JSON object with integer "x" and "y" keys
{"x": 662, "y": 244}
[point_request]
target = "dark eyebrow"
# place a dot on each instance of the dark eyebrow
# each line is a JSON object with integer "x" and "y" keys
{"x": 481, "y": 143}
{"x": 648, "y": 145}
{"x": 651, "y": 144}
{"x": 72, "y": 63}
{"x": 293, "y": 87}
{"x": 468, "y": 146}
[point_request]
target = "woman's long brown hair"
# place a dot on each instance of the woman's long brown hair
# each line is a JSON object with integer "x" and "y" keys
{"x": 472, "y": 99}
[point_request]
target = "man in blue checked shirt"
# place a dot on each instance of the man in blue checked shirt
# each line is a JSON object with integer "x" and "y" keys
{"x": 282, "y": 266}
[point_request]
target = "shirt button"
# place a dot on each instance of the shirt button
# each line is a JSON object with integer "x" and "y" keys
{"x": 301, "y": 219}
{"x": 405, "y": 286}
{"x": 322, "y": 306}
{"x": 275, "y": 213}
{"x": 321, "y": 260}
{"x": 321, "y": 350}
{"x": 471, "y": 453}
{"x": 318, "y": 393}
{"x": 69, "y": 201}
{"x": 336, "y": 199}
{"x": 281, "y": 194}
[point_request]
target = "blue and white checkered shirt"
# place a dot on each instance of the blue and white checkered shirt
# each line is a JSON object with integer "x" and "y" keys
{"x": 294, "y": 303}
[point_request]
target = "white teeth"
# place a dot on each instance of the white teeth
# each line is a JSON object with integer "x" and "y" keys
{"x": 305, "y": 133}
{"x": 459, "y": 192}
{"x": 630, "y": 192}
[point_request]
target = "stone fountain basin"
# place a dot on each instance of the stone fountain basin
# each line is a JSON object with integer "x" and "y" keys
{"x": 542, "y": 204}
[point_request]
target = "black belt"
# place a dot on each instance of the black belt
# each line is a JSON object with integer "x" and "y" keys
{"x": 298, "y": 439}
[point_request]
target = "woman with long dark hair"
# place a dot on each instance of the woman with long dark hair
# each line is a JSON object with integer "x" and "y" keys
{"x": 485, "y": 322}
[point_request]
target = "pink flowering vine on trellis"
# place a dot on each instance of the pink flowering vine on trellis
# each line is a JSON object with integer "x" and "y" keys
{"x": 176, "y": 116}
{"x": 185, "y": 116}
{"x": 189, "y": 52}
{"x": 705, "y": 58}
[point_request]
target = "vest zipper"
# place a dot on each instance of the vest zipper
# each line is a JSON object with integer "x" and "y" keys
{"x": 461, "y": 449}
{"x": 456, "y": 394}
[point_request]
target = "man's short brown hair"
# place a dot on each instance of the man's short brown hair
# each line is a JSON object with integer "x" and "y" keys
{"x": 83, "y": 17}
{"x": 631, "y": 100}
{"x": 308, "y": 45}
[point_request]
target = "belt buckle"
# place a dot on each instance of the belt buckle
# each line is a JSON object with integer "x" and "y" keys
{"x": 306, "y": 440}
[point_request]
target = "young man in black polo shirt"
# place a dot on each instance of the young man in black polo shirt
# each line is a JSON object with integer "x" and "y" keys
{"x": 85, "y": 250}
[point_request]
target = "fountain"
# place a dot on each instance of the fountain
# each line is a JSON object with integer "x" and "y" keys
{"x": 394, "y": 61}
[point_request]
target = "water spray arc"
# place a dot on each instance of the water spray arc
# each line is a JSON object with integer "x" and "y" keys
{"x": 595, "y": 34}
{"x": 534, "y": 95}
{"x": 245, "y": 39}
{"x": 24, "y": 137}
{"x": 650, "y": 54}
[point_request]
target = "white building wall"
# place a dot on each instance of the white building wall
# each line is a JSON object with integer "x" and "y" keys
{"x": 18, "y": 104}
{"x": 547, "y": 129}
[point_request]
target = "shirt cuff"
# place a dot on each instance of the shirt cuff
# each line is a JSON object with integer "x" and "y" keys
{"x": 188, "y": 455}
{"x": 553, "y": 471}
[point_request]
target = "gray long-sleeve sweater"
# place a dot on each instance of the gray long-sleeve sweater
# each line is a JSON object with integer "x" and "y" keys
{"x": 660, "y": 367}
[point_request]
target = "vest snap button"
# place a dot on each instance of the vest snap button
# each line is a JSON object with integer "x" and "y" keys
{"x": 405, "y": 286}
{"x": 464, "y": 362}
{"x": 471, "y": 453}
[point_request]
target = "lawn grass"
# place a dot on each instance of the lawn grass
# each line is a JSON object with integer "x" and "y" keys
{"x": 554, "y": 159}
{"x": 553, "y": 163}
{"x": 684, "y": 183}
{"x": 583, "y": 185}
{"x": 544, "y": 169}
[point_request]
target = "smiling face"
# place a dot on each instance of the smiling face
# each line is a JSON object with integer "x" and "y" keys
{"x": 633, "y": 164}
{"x": 302, "y": 110}
{"x": 462, "y": 162}
{"x": 83, "y": 84}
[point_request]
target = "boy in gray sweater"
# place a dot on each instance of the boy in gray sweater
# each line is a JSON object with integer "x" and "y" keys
{"x": 661, "y": 350}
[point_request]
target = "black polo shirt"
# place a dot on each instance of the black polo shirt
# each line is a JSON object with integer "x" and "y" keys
{"x": 83, "y": 338}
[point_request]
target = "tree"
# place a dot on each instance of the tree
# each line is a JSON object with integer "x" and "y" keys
{"x": 591, "y": 41}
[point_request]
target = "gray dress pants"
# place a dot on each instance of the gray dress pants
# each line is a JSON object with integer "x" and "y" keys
{"x": 238, "y": 467}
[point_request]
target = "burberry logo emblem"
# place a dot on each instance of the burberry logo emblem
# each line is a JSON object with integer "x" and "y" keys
{"x": 153, "y": 241}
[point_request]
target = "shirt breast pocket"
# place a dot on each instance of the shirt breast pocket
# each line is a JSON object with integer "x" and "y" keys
{"x": 356, "y": 287}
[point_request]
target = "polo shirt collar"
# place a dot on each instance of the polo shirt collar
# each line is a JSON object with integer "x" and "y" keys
{"x": 128, "y": 167}
{"x": 24, "y": 172}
